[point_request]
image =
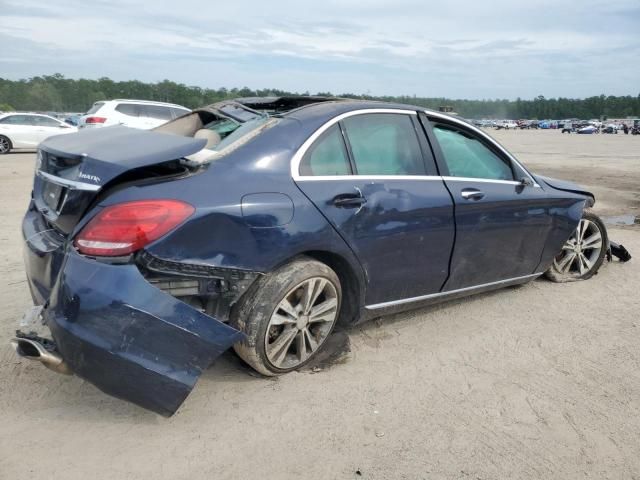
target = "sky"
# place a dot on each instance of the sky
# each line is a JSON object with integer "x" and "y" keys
{"x": 456, "y": 49}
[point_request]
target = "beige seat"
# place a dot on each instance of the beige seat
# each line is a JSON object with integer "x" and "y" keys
{"x": 212, "y": 138}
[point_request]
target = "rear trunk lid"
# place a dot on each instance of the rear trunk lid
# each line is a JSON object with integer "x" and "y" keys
{"x": 72, "y": 170}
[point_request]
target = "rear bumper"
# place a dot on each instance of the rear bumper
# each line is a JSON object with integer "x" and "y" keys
{"x": 122, "y": 334}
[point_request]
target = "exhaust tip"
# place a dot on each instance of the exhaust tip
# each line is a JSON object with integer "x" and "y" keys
{"x": 25, "y": 348}
{"x": 34, "y": 350}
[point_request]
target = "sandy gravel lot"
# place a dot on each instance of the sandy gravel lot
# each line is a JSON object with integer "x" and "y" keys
{"x": 537, "y": 382}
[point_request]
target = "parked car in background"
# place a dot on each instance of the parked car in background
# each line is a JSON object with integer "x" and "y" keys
{"x": 150, "y": 253}
{"x": 507, "y": 125}
{"x": 141, "y": 114}
{"x": 589, "y": 129}
{"x": 73, "y": 119}
{"x": 27, "y": 130}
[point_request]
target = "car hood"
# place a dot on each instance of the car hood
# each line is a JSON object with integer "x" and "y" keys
{"x": 566, "y": 186}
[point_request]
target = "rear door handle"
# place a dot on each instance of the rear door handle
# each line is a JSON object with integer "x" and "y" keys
{"x": 349, "y": 200}
{"x": 472, "y": 194}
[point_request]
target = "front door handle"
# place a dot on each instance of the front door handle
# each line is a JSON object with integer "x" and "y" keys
{"x": 472, "y": 194}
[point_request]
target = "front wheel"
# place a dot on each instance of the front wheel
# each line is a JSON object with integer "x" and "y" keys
{"x": 5, "y": 145}
{"x": 287, "y": 316}
{"x": 583, "y": 253}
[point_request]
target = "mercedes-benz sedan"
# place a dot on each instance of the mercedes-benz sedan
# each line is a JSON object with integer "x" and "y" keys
{"x": 149, "y": 253}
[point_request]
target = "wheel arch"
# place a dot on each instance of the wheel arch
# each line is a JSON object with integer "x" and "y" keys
{"x": 352, "y": 284}
{"x": 11, "y": 146}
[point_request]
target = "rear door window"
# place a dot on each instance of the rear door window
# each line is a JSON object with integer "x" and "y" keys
{"x": 384, "y": 144}
{"x": 327, "y": 156}
{"x": 45, "y": 122}
{"x": 130, "y": 109}
{"x": 155, "y": 111}
{"x": 466, "y": 156}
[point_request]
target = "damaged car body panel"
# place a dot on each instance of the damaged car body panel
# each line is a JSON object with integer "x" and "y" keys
{"x": 129, "y": 338}
{"x": 144, "y": 324}
{"x": 566, "y": 186}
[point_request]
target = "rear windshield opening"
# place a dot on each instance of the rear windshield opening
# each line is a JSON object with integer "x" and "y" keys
{"x": 225, "y": 127}
{"x": 231, "y": 132}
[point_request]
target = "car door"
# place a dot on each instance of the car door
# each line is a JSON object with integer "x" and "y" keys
{"x": 371, "y": 173}
{"x": 20, "y": 129}
{"x": 7, "y": 129}
{"x": 128, "y": 114}
{"x": 503, "y": 217}
{"x": 47, "y": 127}
{"x": 155, "y": 115}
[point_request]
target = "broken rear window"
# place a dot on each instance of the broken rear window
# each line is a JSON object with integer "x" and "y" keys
{"x": 241, "y": 134}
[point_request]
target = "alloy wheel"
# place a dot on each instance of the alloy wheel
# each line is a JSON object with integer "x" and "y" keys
{"x": 4, "y": 145}
{"x": 581, "y": 251}
{"x": 301, "y": 322}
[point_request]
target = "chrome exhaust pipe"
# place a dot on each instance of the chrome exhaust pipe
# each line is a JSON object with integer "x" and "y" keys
{"x": 34, "y": 350}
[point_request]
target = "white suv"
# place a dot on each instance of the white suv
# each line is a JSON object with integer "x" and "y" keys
{"x": 130, "y": 113}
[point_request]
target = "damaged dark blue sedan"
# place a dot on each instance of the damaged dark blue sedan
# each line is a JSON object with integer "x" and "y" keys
{"x": 261, "y": 226}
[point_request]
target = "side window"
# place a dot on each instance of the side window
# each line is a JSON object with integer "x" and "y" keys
{"x": 467, "y": 156}
{"x": 327, "y": 156}
{"x": 384, "y": 144}
{"x": 19, "y": 120}
{"x": 155, "y": 111}
{"x": 45, "y": 122}
{"x": 130, "y": 109}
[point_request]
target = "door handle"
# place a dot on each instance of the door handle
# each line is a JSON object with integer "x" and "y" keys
{"x": 472, "y": 194}
{"x": 347, "y": 200}
{"x": 350, "y": 200}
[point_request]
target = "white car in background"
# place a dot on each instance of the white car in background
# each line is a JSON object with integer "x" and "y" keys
{"x": 141, "y": 114}
{"x": 509, "y": 125}
{"x": 27, "y": 130}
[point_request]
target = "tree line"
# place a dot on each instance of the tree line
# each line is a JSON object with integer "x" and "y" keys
{"x": 59, "y": 94}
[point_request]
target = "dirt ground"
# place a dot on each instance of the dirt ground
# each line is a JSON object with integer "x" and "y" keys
{"x": 536, "y": 382}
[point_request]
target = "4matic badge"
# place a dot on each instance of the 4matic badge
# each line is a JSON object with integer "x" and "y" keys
{"x": 93, "y": 178}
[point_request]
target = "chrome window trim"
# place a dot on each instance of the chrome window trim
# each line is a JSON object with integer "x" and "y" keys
{"x": 72, "y": 184}
{"x": 404, "y": 301}
{"x": 312, "y": 178}
{"x": 487, "y": 137}
{"x": 482, "y": 180}
{"x": 297, "y": 157}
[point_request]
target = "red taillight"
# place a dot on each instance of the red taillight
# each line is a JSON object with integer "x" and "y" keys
{"x": 126, "y": 227}
{"x": 95, "y": 120}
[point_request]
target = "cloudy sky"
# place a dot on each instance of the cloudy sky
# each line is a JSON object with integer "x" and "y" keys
{"x": 459, "y": 49}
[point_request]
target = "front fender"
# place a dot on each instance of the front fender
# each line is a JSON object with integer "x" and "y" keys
{"x": 566, "y": 186}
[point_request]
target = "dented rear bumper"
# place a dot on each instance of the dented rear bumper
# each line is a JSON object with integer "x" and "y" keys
{"x": 119, "y": 332}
